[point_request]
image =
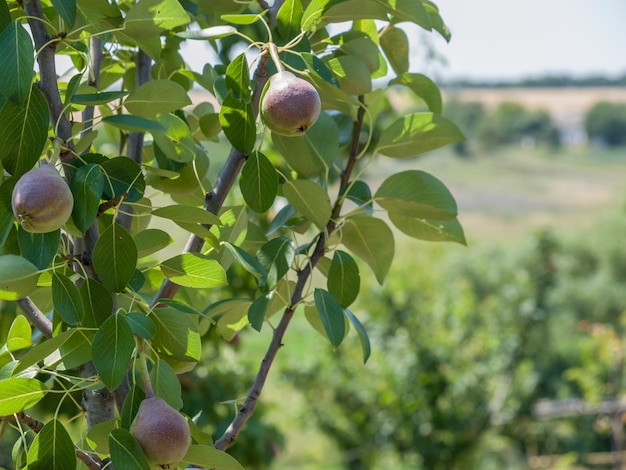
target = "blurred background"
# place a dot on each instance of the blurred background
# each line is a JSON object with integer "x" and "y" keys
{"x": 508, "y": 353}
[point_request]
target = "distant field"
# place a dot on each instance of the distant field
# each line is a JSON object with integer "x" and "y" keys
{"x": 556, "y": 101}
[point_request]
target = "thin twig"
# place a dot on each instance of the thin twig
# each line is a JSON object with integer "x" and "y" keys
{"x": 246, "y": 411}
{"x": 95, "y": 63}
{"x": 35, "y": 316}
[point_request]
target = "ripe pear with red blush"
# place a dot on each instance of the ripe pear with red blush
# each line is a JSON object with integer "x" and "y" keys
{"x": 290, "y": 104}
{"x": 162, "y": 432}
{"x": 42, "y": 201}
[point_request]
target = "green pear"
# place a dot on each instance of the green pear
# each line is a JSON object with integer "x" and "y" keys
{"x": 42, "y": 202}
{"x": 162, "y": 432}
{"x": 290, "y": 104}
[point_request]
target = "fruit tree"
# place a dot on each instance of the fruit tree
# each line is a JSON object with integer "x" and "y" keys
{"x": 107, "y": 163}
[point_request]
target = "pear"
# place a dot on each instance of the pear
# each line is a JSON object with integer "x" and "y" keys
{"x": 42, "y": 202}
{"x": 290, "y": 104}
{"x": 162, "y": 432}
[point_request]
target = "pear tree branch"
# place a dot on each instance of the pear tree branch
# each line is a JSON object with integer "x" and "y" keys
{"x": 247, "y": 410}
{"x": 35, "y": 316}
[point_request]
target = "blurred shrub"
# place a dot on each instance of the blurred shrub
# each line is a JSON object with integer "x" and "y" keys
{"x": 606, "y": 123}
{"x": 465, "y": 345}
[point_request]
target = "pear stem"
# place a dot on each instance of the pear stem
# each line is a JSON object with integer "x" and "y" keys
{"x": 271, "y": 47}
{"x": 143, "y": 364}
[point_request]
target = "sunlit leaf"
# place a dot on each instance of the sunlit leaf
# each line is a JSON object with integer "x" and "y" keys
{"x": 18, "y": 394}
{"x": 310, "y": 200}
{"x": 209, "y": 457}
{"x": 429, "y": 229}
{"x": 417, "y": 133}
{"x": 194, "y": 270}
{"x": 238, "y": 123}
{"x": 176, "y": 335}
{"x": 18, "y": 277}
{"x": 156, "y": 97}
{"x": 371, "y": 240}
{"x": 415, "y": 193}
{"x": 423, "y": 87}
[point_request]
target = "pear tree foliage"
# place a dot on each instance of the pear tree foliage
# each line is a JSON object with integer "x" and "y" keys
{"x": 178, "y": 185}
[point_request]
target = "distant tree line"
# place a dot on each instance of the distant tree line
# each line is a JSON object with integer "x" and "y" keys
{"x": 541, "y": 82}
{"x": 512, "y": 124}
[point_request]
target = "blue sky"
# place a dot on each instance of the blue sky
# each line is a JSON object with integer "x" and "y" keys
{"x": 508, "y": 39}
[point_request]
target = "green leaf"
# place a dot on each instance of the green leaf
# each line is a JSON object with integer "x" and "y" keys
{"x": 258, "y": 309}
{"x": 237, "y": 78}
{"x": 5, "y": 16}
{"x": 175, "y": 140}
{"x": 165, "y": 384}
{"x": 42, "y": 351}
{"x": 415, "y": 193}
{"x": 151, "y": 240}
{"x": 7, "y": 219}
{"x": 428, "y": 229}
{"x": 112, "y": 349}
{"x": 20, "y": 334}
{"x": 38, "y": 248}
{"x": 372, "y": 241}
{"x": 87, "y": 186}
{"x": 131, "y": 123}
{"x": 131, "y": 405}
{"x": 336, "y": 11}
{"x": 156, "y": 97}
{"x": 67, "y": 300}
{"x": 288, "y": 19}
{"x": 100, "y": 97}
{"x": 52, "y": 449}
{"x": 191, "y": 214}
{"x": 436, "y": 20}
{"x": 258, "y": 182}
{"x": 310, "y": 200}
{"x": 363, "y": 336}
{"x": 115, "y": 257}
{"x": 176, "y": 335}
{"x": 244, "y": 19}
{"x": 17, "y": 394}
{"x": 248, "y": 262}
{"x": 123, "y": 176}
{"x": 344, "y": 280}
{"x": 276, "y": 257}
{"x": 352, "y": 73}
{"x": 67, "y": 11}
{"x": 365, "y": 50}
{"x": 359, "y": 192}
{"x": 17, "y": 63}
{"x": 23, "y": 132}
{"x": 194, "y": 270}
{"x": 18, "y": 277}
{"x": 238, "y": 123}
{"x": 97, "y": 301}
{"x": 395, "y": 45}
{"x": 150, "y": 17}
{"x": 142, "y": 325}
{"x": 408, "y": 10}
{"x": 209, "y": 457}
{"x": 126, "y": 453}
{"x": 331, "y": 314}
{"x": 423, "y": 87}
{"x": 417, "y": 133}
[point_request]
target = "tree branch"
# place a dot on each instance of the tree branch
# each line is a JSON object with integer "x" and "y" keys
{"x": 226, "y": 178}
{"x": 247, "y": 410}
{"x": 35, "y": 316}
{"x": 48, "y": 77}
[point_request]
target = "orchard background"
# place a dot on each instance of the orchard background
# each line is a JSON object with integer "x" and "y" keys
{"x": 257, "y": 273}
